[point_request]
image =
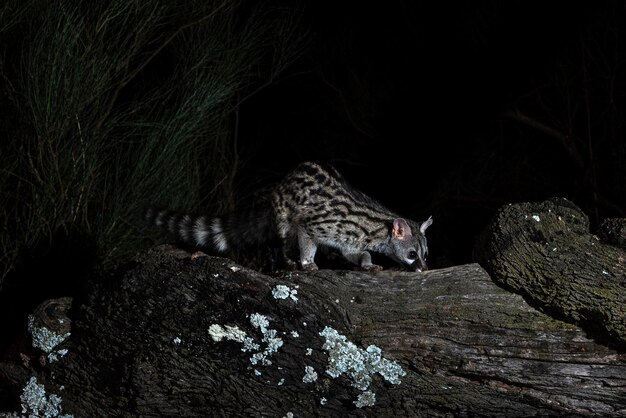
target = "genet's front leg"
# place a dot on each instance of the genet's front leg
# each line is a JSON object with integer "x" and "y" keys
{"x": 363, "y": 259}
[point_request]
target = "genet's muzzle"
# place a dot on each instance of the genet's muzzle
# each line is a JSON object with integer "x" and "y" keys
{"x": 418, "y": 265}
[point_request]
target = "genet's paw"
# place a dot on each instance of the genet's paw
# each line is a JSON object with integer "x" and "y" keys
{"x": 310, "y": 267}
{"x": 373, "y": 268}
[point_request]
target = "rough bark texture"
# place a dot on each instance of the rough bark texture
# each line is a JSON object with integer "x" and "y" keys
{"x": 613, "y": 231}
{"x": 140, "y": 346}
{"x": 545, "y": 252}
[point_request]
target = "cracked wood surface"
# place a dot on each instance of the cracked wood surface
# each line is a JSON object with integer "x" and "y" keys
{"x": 545, "y": 251}
{"x": 140, "y": 345}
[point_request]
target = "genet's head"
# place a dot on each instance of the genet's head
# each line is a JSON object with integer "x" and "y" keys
{"x": 410, "y": 247}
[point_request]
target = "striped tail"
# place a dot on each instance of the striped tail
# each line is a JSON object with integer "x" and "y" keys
{"x": 222, "y": 234}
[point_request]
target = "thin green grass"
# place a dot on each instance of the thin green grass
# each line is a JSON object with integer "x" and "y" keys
{"x": 118, "y": 105}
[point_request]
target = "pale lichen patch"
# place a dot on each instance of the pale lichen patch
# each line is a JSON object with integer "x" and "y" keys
{"x": 46, "y": 339}
{"x": 269, "y": 337}
{"x": 36, "y": 403}
{"x": 233, "y": 333}
{"x": 282, "y": 291}
{"x": 366, "y": 398}
{"x": 344, "y": 357}
{"x": 310, "y": 375}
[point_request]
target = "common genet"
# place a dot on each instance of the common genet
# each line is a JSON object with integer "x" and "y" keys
{"x": 312, "y": 206}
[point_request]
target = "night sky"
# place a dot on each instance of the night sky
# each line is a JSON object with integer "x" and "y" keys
{"x": 412, "y": 101}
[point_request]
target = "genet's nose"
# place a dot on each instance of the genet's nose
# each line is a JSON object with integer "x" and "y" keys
{"x": 419, "y": 266}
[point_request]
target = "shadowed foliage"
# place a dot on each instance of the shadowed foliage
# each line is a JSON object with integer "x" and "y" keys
{"x": 111, "y": 105}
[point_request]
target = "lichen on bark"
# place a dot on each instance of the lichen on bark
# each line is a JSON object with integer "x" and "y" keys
{"x": 545, "y": 252}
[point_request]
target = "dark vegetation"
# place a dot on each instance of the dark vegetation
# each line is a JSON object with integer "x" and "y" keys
{"x": 109, "y": 106}
{"x": 434, "y": 110}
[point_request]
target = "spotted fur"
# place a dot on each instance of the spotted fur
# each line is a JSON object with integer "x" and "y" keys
{"x": 312, "y": 206}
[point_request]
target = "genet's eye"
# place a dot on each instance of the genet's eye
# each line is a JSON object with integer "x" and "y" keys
{"x": 412, "y": 255}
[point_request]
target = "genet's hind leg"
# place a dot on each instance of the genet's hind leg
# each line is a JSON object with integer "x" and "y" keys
{"x": 288, "y": 252}
{"x": 287, "y": 245}
{"x": 363, "y": 259}
{"x": 286, "y": 236}
{"x": 308, "y": 248}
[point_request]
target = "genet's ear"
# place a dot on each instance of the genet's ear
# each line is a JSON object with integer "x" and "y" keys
{"x": 428, "y": 222}
{"x": 401, "y": 229}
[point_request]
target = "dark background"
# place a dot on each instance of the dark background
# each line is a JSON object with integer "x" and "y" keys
{"x": 449, "y": 109}
{"x": 412, "y": 101}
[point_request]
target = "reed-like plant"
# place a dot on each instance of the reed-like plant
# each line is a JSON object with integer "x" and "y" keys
{"x": 117, "y": 104}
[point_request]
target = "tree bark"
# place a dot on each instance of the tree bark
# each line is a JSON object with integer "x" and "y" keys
{"x": 545, "y": 252}
{"x": 140, "y": 346}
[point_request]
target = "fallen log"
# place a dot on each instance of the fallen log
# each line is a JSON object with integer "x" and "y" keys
{"x": 176, "y": 335}
{"x": 545, "y": 252}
